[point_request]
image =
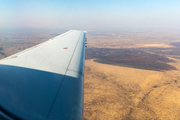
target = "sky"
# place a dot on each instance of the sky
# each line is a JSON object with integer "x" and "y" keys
{"x": 90, "y": 14}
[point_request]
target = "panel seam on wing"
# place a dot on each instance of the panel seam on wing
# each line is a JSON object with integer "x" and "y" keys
{"x": 48, "y": 115}
{"x": 76, "y": 71}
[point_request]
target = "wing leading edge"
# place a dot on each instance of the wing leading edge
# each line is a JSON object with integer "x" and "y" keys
{"x": 45, "y": 81}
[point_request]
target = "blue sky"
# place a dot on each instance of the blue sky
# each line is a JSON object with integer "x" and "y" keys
{"x": 89, "y": 14}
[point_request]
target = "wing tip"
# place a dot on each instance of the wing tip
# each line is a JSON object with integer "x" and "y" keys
{"x": 79, "y": 30}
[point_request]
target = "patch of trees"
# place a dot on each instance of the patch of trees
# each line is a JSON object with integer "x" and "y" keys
{"x": 134, "y": 58}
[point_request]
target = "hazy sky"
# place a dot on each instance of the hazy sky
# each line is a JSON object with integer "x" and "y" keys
{"x": 89, "y": 14}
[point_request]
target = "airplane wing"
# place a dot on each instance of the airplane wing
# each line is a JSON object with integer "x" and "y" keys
{"x": 45, "y": 82}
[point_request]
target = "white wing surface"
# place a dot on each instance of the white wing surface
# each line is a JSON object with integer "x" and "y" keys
{"x": 45, "y": 81}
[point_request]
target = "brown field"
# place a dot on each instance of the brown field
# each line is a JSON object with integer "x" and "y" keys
{"x": 139, "y": 81}
{"x": 113, "y": 92}
{"x": 129, "y": 75}
{"x": 132, "y": 39}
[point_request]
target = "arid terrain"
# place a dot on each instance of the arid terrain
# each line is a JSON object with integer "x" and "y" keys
{"x": 129, "y": 75}
{"x": 132, "y": 76}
